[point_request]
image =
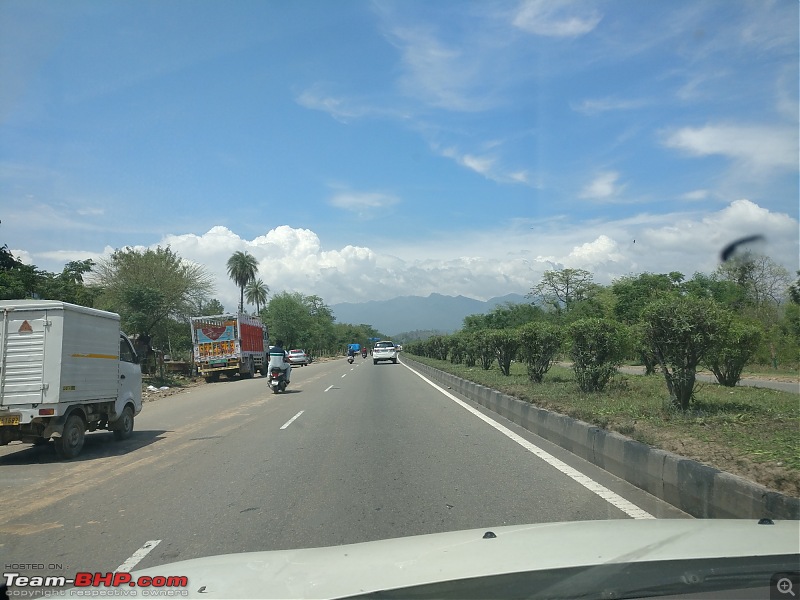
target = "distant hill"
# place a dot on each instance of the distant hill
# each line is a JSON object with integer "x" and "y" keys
{"x": 410, "y": 313}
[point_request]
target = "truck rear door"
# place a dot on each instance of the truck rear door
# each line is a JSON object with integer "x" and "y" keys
{"x": 22, "y": 353}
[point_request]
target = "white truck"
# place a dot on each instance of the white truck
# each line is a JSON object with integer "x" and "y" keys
{"x": 65, "y": 370}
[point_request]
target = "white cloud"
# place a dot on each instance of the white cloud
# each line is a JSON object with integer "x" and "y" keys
{"x": 346, "y": 109}
{"x": 481, "y": 263}
{"x": 365, "y": 204}
{"x": 758, "y": 148}
{"x": 445, "y": 76}
{"x": 603, "y": 186}
{"x": 486, "y": 165}
{"x": 557, "y": 18}
{"x": 601, "y": 105}
{"x": 696, "y": 195}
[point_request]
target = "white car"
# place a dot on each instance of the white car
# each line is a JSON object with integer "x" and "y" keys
{"x": 384, "y": 350}
{"x": 298, "y": 357}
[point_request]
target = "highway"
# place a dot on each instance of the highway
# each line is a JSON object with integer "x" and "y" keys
{"x": 347, "y": 454}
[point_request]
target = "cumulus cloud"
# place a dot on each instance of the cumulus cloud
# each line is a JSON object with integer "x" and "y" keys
{"x": 557, "y": 18}
{"x": 757, "y": 147}
{"x": 482, "y": 263}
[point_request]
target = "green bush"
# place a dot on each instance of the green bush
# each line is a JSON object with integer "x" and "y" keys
{"x": 732, "y": 348}
{"x": 505, "y": 343}
{"x": 484, "y": 351}
{"x": 539, "y": 345}
{"x": 681, "y": 331}
{"x": 598, "y": 348}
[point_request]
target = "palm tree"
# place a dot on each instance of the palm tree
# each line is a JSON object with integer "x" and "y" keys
{"x": 256, "y": 293}
{"x": 242, "y": 269}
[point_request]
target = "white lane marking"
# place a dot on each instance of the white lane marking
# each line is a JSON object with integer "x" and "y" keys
{"x": 345, "y": 375}
{"x": 329, "y": 387}
{"x": 137, "y": 556}
{"x": 290, "y": 421}
{"x": 629, "y": 508}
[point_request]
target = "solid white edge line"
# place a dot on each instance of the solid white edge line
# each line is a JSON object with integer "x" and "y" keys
{"x": 137, "y": 556}
{"x": 290, "y": 421}
{"x": 629, "y": 508}
{"x": 329, "y": 387}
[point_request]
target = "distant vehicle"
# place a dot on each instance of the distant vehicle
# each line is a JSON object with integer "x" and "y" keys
{"x": 230, "y": 344}
{"x": 65, "y": 370}
{"x": 384, "y": 350}
{"x": 299, "y": 357}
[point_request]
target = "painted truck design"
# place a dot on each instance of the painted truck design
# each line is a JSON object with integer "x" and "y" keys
{"x": 65, "y": 370}
{"x": 230, "y": 344}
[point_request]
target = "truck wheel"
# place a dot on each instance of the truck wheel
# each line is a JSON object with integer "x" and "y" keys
{"x": 212, "y": 377}
{"x": 251, "y": 369}
{"x": 125, "y": 424}
{"x": 70, "y": 443}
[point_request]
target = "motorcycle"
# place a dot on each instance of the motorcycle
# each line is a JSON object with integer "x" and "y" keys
{"x": 364, "y": 353}
{"x": 277, "y": 380}
{"x": 350, "y": 359}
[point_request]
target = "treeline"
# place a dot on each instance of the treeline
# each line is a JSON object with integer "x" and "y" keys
{"x": 155, "y": 292}
{"x": 746, "y": 312}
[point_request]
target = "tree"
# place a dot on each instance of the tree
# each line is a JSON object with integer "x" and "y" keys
{"x": 794, "y": 289}
{"x": 210, "y": 307}
{"x": 598, "y": 347}
{"x": 732, "y": 348}
{"x": 539, "y": 345}
{"x": 633, "y": 294}
{"x": 147, "y": 286}
{"x": 561, "y": 288}
{"x": 242, "y": 269}
{"x": 681, "y": 331}
{"x": 505, "y": 343}
{"x": 256, "y": 293}
{"x": 761, "y": 279}
{"x": 508, "y": 315}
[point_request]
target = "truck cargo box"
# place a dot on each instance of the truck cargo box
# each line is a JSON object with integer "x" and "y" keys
{"x": 55, "y": 352}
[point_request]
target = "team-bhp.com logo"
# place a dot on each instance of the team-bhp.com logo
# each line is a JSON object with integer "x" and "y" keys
{"x": 95, "y": 584}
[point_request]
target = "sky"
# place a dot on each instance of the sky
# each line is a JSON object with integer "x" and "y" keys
{"x": 363, "y": 150}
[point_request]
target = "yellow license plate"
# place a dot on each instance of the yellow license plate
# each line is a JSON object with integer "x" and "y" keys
{"x": 14, "y": 420}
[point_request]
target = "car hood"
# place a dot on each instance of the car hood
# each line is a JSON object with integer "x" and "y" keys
{"x": 403, "y": 563}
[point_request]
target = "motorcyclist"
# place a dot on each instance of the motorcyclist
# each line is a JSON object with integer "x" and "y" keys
{"x": 277, "y": 359}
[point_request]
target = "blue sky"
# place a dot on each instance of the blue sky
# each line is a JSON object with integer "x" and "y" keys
{"x": 365, "y": 150}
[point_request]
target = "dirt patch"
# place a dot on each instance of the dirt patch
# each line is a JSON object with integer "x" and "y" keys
{"x": 149, "y": 395}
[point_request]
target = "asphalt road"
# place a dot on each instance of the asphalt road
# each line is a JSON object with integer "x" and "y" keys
{"x": 347, "y": 454}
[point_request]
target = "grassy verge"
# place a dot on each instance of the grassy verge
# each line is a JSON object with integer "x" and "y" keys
{"x": 752, "y": 432}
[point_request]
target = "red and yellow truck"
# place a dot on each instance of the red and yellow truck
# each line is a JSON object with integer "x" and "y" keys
{"x": 231, "y": 344}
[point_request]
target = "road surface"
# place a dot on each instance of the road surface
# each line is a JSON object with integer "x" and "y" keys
{"x": 347, "y": 454}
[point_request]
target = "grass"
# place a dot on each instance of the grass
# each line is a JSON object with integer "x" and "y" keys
{"x": 754, "y": 432}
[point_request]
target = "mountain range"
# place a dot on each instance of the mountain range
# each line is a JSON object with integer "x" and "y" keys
{"x": 410, "y": 313}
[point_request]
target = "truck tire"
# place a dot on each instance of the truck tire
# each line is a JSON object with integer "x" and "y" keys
{"x": 70, "y": 443}
{"x": 125, "y": 424}
{"x": 212, "y": 377}
{"x": 251, "y": 369}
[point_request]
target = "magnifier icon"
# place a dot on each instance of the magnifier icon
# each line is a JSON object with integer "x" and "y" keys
{"x": 785, "y": 587}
